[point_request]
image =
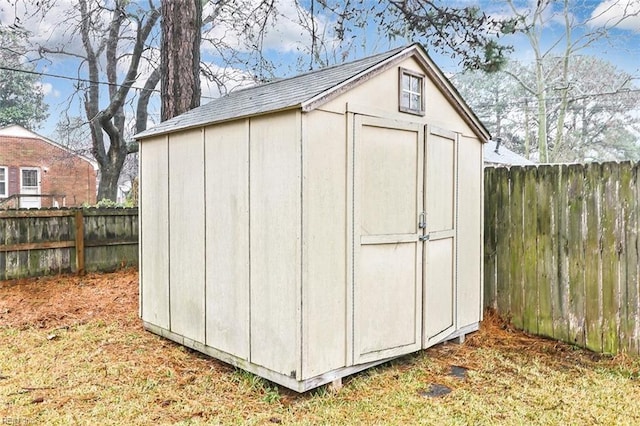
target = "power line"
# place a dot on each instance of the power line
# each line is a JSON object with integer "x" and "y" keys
{"x": 66, "y": 77}
{"x": 79, "y": 79}
{"x": 106, "y": 83}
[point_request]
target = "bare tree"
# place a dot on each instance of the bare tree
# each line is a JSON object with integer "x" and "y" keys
{"x": 564, "y": 47}
{"x": 462, "y": 32}
{"x": 113, "y": 37}
{"x": 600, "y": 121}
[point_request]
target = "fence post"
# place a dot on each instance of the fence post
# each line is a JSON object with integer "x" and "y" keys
{"x": 79, "y": 222}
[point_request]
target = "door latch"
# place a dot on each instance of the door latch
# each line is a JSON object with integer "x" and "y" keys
{"x": 422, "y": 222}
{"x": 424, "y": 237}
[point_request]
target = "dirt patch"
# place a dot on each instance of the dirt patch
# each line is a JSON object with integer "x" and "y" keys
{"x": 49, "y": 302}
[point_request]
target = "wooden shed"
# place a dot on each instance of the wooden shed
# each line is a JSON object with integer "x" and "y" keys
{"x": 315, "y": 226}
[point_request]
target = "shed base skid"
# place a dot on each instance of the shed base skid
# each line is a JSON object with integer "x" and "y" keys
{"x": 333, "y": 376}
{"x": 458, "y": 336}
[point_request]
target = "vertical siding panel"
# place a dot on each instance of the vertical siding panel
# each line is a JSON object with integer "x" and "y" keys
{"x": 469, "y": 239}
{"x": 516, "y": 236}
{"x": 275, "y": 241}
{"x": 593, "y": 259}
{"x": 503, "y": 232}
{"x": 186, "y": 234}
{"x": 574, "y": 184}
{"x": 154, "y": 235}
{"x": 325, "y": 234}
{"x": 227, "y": 237}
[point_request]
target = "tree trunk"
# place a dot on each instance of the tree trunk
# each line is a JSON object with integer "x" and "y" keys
{"x": 541, "y": 98}
{"x": 527, "y": 135}
{"x": 180, "y": 56}
{"x": 108, "y": 186}
{"x": 564, "y": 94}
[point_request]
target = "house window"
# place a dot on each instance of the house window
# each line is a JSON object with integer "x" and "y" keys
{"x": 3, "y": 182}
{"x": 30, "y": 178}
{"x": 411, "y": 92}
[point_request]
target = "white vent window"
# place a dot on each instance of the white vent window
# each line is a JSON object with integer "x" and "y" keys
{"x": 411, "y": 92}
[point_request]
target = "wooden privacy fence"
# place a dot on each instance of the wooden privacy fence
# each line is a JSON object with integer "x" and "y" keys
{"x": 561, "y": 252}
{"x": 53, "y": 241}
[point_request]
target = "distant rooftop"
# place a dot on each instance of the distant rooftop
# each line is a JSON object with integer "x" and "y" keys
{"x": 503, "y": 156}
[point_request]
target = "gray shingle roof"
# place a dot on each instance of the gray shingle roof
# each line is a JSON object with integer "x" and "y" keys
{"x": 273, "y": 96}
{"x": 504, "y": 156}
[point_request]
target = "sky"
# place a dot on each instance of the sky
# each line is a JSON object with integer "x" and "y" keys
{"x": 285, "y": 39}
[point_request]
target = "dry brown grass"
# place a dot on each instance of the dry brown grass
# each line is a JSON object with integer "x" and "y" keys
{"x": 72, "y": 351}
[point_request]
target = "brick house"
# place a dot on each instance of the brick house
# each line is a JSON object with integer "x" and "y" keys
{"x": 38, "y": 172}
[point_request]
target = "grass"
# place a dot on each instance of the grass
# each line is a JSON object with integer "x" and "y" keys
{"x": 108, "y": 370}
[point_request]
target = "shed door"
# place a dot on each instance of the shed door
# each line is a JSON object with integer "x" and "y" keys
{"x": 388, "y": 201}
{"x": 440, "y": 250}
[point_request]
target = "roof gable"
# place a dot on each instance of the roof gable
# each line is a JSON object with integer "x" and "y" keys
{"x": 311, "y": 90}
{"x": 19, "y": 132}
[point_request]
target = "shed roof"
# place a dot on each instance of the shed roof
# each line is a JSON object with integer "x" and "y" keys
{"x": 310, "y": 90}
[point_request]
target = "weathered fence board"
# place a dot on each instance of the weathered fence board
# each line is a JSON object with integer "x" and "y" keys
{"x": 490, "y": 213}
{"x": 540, "y": 220}
{"x": 516, "y": 246}
{"x": 561, "y": 252}
{"x": 502, "y": 244}
{"x": 45, "y": 242}
{"x": 574, "y": 183}
{"x": 559, "y": 285}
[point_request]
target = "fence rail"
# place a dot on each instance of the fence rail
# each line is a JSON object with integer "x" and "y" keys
{"x": 52, "y": 241}
{"x": 561, "y": 252}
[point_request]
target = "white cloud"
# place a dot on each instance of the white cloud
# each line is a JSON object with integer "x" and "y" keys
{"x": 53, "y": 27}
{"x": 230, "y": 78}
{"x": 47, "y": 89}
{"x": 624, "y": 14}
